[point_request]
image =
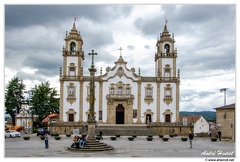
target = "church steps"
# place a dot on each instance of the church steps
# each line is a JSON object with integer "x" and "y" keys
{"x": 128, "y": 130}
{"x": 93, "y": 146}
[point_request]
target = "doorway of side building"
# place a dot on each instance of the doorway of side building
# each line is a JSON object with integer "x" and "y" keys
{"x": 120, "y": 114}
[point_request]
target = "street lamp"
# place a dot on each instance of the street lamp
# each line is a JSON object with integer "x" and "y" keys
{"x": 224, "y": 90}
{"x": 29, "y": 96}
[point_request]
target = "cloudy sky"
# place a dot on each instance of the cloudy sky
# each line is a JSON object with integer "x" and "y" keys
{"x": 205, "y": 39}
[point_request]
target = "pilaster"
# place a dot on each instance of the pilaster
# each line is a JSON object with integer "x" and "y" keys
{"x": 61, "y": 102}
{"x": 139, "y": 101}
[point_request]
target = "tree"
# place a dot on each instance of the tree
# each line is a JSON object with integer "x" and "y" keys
{"x": 44, "y": 101}
{"x": 14, "y": 97}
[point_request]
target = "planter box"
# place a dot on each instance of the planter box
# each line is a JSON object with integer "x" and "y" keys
{"x": 130, "y": 138}
{"x": 150, "y": 135}
{"x": 214, "y": 139}
{"x": 113, "y": 138}
{"x": 118, "y": 135}
{"x": 68, "y": 135}
{"x": 134, "y": 136}
{"x": 26, "y": 138}
{"x": 161, "y": 135}
{"x": 149, "y": 138}
{"x": 184, "y": 139}
{"x": 57, "y": 138}
{"x": 171, "y": 135}
{"x": 165, "y": 139}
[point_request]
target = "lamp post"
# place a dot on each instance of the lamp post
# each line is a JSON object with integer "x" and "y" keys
{"x": 224, "y": 90}
{"x": 29, "y": 111}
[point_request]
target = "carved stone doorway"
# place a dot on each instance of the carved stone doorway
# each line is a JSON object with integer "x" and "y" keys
{"x": 120, "y": 114}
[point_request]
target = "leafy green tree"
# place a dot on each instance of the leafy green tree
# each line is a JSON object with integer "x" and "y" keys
{"x": 14, "y": 97}
{"x": 44, "y": 101}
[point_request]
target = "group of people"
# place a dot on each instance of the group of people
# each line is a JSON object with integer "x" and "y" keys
{"x": 79, "y": 141}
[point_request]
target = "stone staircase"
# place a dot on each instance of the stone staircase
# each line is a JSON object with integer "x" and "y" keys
{"x": 93, "y": 146}
{"x": 124, "y": 130}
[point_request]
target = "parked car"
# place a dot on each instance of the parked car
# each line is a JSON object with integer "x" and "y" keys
{"x": 12, "y": 134}
{"x": 40, "y": 131}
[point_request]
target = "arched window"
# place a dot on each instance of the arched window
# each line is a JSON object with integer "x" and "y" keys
{"x": 72, "y": 46}
{"x": 167, "y": 48}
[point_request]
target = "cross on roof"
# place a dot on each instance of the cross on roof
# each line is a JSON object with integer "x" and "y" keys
{"x": 75, "y": 19}
{"x": 92, "y": 55}
{"x": 120, "y": 51}
{"x": 166, "y": 21}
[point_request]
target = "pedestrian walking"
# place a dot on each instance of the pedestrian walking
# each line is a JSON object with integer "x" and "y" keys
{"x": 190, "y": 136}
{"x": 46, "y": 141}
{"x": 100, "y": 134}
{"x": 219, "y": 135}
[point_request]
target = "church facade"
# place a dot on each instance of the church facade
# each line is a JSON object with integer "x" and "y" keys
{"x": 122, "y": 95}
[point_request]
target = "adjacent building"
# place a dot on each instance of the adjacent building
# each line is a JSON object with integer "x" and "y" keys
{"x": 200, "y": 124}
{"x": 225, "y": 120}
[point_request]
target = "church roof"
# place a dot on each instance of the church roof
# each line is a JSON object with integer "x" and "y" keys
{"x": 165, "y": 32}
{"x": 120, "y": 61}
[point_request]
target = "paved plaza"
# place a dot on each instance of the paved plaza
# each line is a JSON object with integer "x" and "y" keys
{"x": 140, "y": 147}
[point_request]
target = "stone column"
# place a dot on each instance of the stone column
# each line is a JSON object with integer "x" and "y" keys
{"x": 81, "y": 103}
{"x": 91, "y": 119}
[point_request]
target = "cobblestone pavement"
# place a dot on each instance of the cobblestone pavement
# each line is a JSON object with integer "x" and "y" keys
{"x": 140, "y": 147}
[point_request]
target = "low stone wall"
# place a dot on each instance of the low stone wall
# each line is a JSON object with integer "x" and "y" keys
{"x": 179, "y": 130}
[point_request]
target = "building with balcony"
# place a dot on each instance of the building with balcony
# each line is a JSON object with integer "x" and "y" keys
{"x": 122, "y": 96}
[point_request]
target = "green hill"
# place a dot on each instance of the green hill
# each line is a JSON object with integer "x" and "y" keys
{"x": 208, "y": 115}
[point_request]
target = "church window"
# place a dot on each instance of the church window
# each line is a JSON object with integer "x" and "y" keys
{"x": 148, "y": 94}
{"x": 71, "y": 117}
{"x": 167, "y": 48}
{"x": 71, "y": 92}
{"x": 72, "y": 70}
{"x": 167, "y": 118}
{"x": 168, "y": 94}
{"x": 71, "y": 96}
{"x": 167, "y": 71}
{"x": 111, "y": 90}
{"x": 72, "y": 46}
{"x": 120, "y": 89}
{"x": 127, "y": 90}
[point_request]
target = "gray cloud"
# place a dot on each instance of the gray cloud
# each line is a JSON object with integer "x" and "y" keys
{"x": 25, "y": 15}
{"x": 204, "y": 34}
{"x": 130, "y": 47}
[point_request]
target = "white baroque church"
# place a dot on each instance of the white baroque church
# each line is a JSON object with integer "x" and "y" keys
{"x": 121, "y": 95}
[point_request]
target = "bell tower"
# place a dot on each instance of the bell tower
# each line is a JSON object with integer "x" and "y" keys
{"x": 168, "y": 78}
{"x": 71, "y": 76}
{"x": 165, "y": 58}
{"x": 73, "y": 55}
